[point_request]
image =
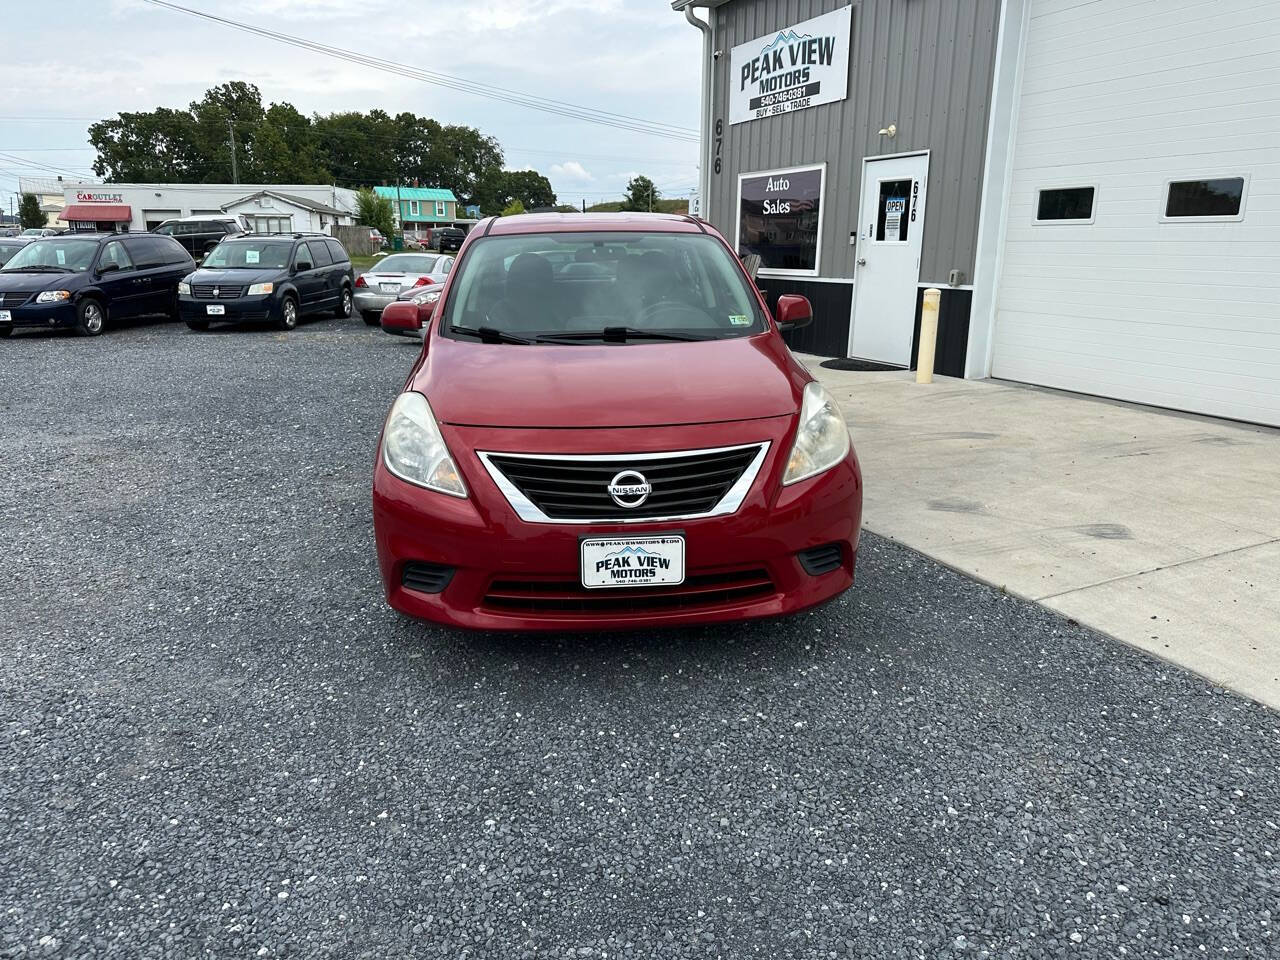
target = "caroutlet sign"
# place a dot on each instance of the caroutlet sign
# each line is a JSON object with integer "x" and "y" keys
{"x": 802, "y": 66}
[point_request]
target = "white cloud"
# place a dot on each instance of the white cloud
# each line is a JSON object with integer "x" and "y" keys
{"x": 571, "y": 170}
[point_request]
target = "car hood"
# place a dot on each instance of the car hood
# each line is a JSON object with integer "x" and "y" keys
{"x": 12, "y": 281}
{"x": 235, "y": 277}
{"x": 632, "y": 385}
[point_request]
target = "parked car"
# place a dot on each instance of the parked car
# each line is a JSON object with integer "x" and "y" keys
{"x": 87, "y": 280}
{"x": 620, "y": 451}
{"x": 276, "y": 278}
{"x": 447, "y": 238}
{"x": 410, "y": 314}
{"x": 380, "y": 286}
{"x": 8, "y": 247}
{"x": 35, "y": 233}
{"x": 201, "y": 234}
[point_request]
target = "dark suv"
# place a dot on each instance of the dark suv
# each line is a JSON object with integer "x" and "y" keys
{"x": 448, "y": 238}
{"x": 82, "y": 280}
{"x": 274, "y": 278}
{"x": 199, "y": 235}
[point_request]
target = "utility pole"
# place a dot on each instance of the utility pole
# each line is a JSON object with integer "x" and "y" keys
{"x": 235, "y": 170}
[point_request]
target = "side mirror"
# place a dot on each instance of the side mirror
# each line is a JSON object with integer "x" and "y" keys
{"x": 405, "y": 318}
{"x": 108, "y": 267}
{"x": 794, "y": 312}
{"x": 301, "y": 265}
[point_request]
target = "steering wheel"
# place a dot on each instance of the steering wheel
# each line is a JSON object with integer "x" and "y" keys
{"x": 666, "y": 307}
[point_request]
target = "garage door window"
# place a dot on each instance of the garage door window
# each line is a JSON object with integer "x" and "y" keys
{"x": 1065, "y": 205}
{"x": 1210, "y": 199}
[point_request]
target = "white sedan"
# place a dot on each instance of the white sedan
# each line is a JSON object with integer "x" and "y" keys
{"x": 393, "y": 275}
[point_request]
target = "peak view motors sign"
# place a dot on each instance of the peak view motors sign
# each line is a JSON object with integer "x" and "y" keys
{"x": 802, "y": 66}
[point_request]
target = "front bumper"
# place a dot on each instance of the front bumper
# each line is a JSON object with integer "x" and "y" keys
{"x": 504, "y": 573}
{"x": 48, "y": 316}
{"x": 241, "y": 310}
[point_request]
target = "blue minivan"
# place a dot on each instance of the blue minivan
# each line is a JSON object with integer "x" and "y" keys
{"x": 85, "y": 281}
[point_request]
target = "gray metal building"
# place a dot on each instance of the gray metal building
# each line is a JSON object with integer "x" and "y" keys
{"x": 914, "y": 110}
{"x": 1093, "y": 184}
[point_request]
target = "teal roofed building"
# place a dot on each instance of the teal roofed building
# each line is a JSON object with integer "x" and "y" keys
{"x": 421, "y": 208}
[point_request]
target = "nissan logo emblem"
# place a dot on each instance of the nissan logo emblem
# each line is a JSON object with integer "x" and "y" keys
{"x": 629, "y": 489}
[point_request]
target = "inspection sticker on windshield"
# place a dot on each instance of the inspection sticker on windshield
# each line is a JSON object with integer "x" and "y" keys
{"x": 738, "y": 320}
{"x": 251, "y": 256}
{"x": 638, "y": 562}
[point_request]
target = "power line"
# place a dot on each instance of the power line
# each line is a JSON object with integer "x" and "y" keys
{"x": 460, "y": 84}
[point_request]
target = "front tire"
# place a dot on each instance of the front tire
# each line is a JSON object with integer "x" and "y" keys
{"x": 344, "y": 304}
{"x": 371, "y": 318}
{"x": 91, "y": 317}
{"x": 288, "y": 313}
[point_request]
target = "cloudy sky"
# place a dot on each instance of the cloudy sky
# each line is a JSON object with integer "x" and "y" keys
{"x": 94, "y": 58}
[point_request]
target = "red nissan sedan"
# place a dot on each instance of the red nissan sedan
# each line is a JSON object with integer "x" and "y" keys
{"x": 626, "y": 445}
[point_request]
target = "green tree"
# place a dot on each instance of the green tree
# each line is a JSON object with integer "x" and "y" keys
{"x": 29, "y": 214}
{"x": 375, "y": 211}
{"x": 529, "y": 187}
{"x": 513, "y": 209}
{"x": 641, "y": 194}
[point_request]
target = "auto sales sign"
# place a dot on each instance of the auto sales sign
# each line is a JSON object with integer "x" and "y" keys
{"x": 802, "y": 66}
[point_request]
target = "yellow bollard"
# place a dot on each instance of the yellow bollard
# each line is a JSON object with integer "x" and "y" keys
{"x": 928, "y": 335}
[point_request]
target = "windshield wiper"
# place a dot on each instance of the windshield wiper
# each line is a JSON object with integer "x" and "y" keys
{"x": 490, "y": 335}
{"x": 619, "y": 335}
{"x": 39, "y": 268}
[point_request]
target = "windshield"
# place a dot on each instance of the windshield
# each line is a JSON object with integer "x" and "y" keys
{"x": 405, "y": 263}
{"x": 575, "y": 286}
{"x": 250, "y": 255}
{"x": 70, "y": 256}
{"x": 7, "y": 250}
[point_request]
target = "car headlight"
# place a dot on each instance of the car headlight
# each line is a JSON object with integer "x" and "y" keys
{"x": 414, "y": 450}
{"x": 184, "y": 288}
{"x": 258, "y": 289}
{"x": 53, "y": 296}
{"x": 822, "y": 439}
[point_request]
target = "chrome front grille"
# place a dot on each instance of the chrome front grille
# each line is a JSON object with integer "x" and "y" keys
{"x": 568, "y": 488}
{"x": 204, "y": 291}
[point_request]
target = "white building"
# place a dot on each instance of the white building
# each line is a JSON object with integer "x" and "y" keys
{"x": 1093, "y": 184}
{"x": 144, "y": 206}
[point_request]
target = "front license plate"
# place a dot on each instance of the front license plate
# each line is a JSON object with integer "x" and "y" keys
{"x": 389, "y": 287}
{"x": 632, "y": 562}
{"x": 5, "y": 316}
{"x": 216, "y": 310}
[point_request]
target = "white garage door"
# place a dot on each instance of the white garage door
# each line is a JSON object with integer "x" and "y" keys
{"x": 1142, "y": 250}
{"x": 153, "y": 218}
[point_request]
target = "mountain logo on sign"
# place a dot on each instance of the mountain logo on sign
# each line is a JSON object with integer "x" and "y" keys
{"x": 633, "y": 551}
{"x": 786, "y": 37}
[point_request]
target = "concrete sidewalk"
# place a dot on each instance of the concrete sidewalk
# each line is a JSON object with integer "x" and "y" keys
{"x": 1159, "y": 528}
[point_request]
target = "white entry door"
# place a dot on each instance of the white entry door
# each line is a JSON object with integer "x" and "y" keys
{"x": 890, "y": 228}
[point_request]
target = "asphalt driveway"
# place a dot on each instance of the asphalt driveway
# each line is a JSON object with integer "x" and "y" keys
{"x": 217, "y": 741}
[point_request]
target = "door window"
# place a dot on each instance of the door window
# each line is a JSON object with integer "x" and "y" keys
{"x": 894, "y": 209}
{"x": 319, "y": 253}
{"x": 114, "y": 252}
{"x": 147, "y": 252}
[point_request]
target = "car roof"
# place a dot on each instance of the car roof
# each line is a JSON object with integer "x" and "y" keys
{"x": 204, "y": 216}
{"x": 585, "y": 222}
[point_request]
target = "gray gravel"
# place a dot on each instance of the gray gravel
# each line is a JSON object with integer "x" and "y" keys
{"x": 216, "y": 740}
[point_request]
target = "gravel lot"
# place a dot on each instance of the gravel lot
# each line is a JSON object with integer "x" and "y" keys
{"x": 217, "y": 741}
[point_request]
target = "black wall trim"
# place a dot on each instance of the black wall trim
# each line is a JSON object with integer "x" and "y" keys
{"x": 828, "y": 335}
{"x": 953, "y": 331}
